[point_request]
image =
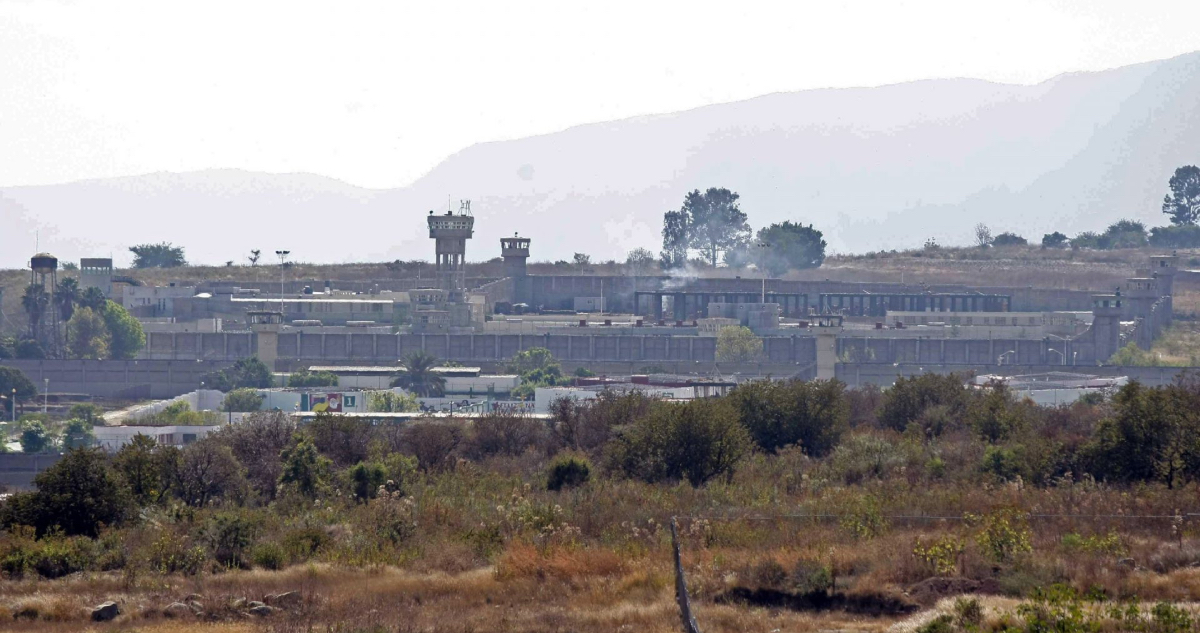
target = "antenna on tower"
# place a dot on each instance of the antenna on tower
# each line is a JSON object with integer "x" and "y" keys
{"x": 464, "y": 207}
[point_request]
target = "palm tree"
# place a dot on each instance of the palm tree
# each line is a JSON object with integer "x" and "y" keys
{"x": 418, "y": 376}
{"x": 35, "y": 301}
{"x": 92, "y": 298}
{"x": 66, "y": 297}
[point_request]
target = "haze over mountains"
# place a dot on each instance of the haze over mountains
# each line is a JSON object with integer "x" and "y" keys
{"x": 884, "y": 167}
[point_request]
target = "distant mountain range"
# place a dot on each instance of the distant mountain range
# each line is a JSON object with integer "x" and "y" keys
{"x": 884, "y": 167}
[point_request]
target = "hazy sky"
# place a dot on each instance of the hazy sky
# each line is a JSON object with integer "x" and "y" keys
{"x": 377, "y": 93}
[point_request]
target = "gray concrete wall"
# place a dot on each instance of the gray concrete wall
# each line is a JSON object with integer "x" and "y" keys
{"x": 17, "y": 470}
{"x": 121, "y": 379}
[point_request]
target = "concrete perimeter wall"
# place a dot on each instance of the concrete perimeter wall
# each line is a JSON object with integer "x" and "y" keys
{"x": 120, "y": 379}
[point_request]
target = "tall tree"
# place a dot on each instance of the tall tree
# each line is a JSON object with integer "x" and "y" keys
{"x": 92, "y": 297}
{"x": 418, "y": 376}
{"x": 715, "y": 222}
{"x": 87, "y": 336}
{"x": 127, "y": 336}
{"x": 675, "y": 239}
{"x": 1183, "y": 203}
{"x": 66, "y": 297}
{"x": 161, "y": 255}
{"x": 787, "y": 246}
{"x": 35, "y": 301}
{"x": 254, "y": 256}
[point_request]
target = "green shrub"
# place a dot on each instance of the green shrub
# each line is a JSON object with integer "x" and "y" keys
{"x": 568, "y": 471}
{"x": 809, "y": 576}
{"x": 695, "y": 441}
{"x": 305, "y": 542}
{"x": 366, "y": 478}
{"x": 1003, "y": 534}
{"x": 229, "y": 534}
{"x": 908, "y": 398}
{"x": 172, "y": 553}
{"x": 268, "y": 556}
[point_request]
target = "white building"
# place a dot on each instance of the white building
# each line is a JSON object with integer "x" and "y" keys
{"x": 112, "y": 438}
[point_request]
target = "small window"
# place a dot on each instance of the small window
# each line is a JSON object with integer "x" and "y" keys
{"x": 188, "y": 438}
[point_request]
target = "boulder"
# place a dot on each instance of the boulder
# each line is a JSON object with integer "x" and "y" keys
{"x": 177, "y": 610}
{"x": 285, "y": 600}
{"x": 262, "y": 610}
{"x": 105, "y": 612}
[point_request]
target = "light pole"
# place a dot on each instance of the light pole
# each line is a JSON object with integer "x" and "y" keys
{"x": 14, "y": 401}
{"x": 1062, "y": 358}
{"x": 763, "y": 246}
{"x": 282, "y": 261}
{"x": 45, "y": 395}
{"x": 1000, "y": 359}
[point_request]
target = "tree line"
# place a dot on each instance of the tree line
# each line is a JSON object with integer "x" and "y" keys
{"x": 712, "y": 226}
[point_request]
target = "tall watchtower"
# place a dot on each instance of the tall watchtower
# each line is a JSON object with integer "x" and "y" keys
{"x": 515, "y": 251}
{"x": 451, "y": 232}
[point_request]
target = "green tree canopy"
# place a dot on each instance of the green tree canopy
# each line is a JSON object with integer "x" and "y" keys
{"x": 809, "y": 414}
{"x": 77, "y": 434}
{"x": 149, "y": 469}
{"x": 1183, "y": 201}
{"x": 245, "y": 373}
{"x": 694, "y": 441}
{"x": 79, "y": 495}
{"x": 304, "y": 468}
{"x": 161, "y": 255}
{"x": 127, "y": 336}
{"x": 738, "y": 344}
{"x": 242, "y": 400}
{"x": 12, "y": 378}
{"x": 305, "y": 378}
{"x": 1009, "y": 239}
{"x": 1054, "y": 240}
{"x": 66, "y": 297}
{"x": 392, "y": 402}
{"x": 35, "y": 438}
{"x": 419, "y": 376}
{"x": 786, "y": 246}
{"x": 87, "y": 336}
{"x": 709, "y": 222}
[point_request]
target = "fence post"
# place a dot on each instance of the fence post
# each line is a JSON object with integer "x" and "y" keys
{"x": 681, "y": 594}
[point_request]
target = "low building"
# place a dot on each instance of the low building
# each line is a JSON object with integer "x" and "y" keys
{"x": 1055, "y": 388}
{"x": 112, "y": 438}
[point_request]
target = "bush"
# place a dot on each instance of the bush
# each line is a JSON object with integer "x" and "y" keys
{"x": 811, "y": 414}
{"x": 695, "y": 441}
{"x": 242, "y": 400}
{"x": 1183, "y": 236}
{"x": 909, "y": 398}
{"x": 305, "y": 378}
{"x": 79, "y": 495}
{"x": 863, "y": 457}
{"x": 171, "y": 553}
{"x": 568, "y": 471}
{"x": 229, "y": 534}
{"x": 365, "y": 479}
{"x": 1009, "y": 239}
{"x": 268, "y": 556}
{"x": 504, "y": 434}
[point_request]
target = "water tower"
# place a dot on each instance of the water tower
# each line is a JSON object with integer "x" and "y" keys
{"x": 451, "y": 232}
{"x": 43, "y": 272}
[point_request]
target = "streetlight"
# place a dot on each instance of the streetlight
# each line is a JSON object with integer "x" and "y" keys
{"x": 1000, "y": 359}
{"x": 14, "y": 402}
{"x": 282, "y": 261}
{"x": 1062, "y": 358}
{"x": 45, "y": 395}
{"x": 762, "y": 261}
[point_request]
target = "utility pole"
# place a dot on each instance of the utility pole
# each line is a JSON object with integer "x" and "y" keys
{"x": 282, "y": 261}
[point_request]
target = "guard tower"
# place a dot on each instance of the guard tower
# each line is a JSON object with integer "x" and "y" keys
{"x": 1106, "y": 325}
{"x": 515, "y": 251}
{"x": 451, "y": 232}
